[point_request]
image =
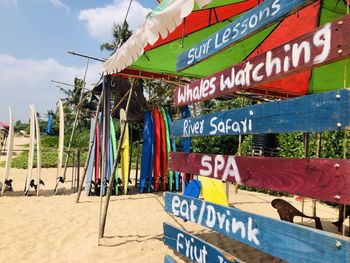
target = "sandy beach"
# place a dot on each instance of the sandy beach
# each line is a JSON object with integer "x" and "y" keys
{"x": 53, "y": 228}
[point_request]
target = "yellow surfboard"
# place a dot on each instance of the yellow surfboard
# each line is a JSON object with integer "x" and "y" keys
{"x": 124, "y": 151}
{"x": 213, "y": 190}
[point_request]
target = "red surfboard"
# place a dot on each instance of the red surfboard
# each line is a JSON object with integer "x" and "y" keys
{"x": 163, "y": 151}
{"x": 157, "y": 147}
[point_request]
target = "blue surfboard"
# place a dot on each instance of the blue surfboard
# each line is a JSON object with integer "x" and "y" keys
{"x": 49, "y": 124}
{"x": 186, "y": 142}
{"x": 90, "y": 168}
{"x": 150, "y": 171}
{"x": 146, "y": 150}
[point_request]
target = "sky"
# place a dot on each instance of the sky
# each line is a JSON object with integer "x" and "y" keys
{"x": 35, "y": 36}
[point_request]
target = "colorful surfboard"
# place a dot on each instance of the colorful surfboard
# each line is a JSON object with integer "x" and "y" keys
{"x": 146, "y": 151}
{"x": 163, "y": 152}
{"x": 168, "y": 149}
{"x": 150, "y": 170}
{"x": 8, "y": 155}
{"x": 90, "y": 168}
{"x": 176, "y": 174}
{"x": 124, "y": 150}
{"x": 213, "y": 190}
{"x": 38, "y": 152}
{"x": 114, "y": 154}
{"x": 59, "y": 176}
{"x": 31, "y": 151}
{"x": 157, "y": 148}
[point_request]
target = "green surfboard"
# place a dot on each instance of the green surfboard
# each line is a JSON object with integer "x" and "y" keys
{"x": 114, "y": 147}
{"x": 168, "y": 149}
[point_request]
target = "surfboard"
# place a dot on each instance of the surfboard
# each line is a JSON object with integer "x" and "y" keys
{"x": 30, "y": 151}
{"x": 38, "y": 151}
{"x": 157, "y": 148}
{"x": 168, "y": 149}
{"x": 163, "y": 151}
{"x": 176, "y": 174}
{"x": 124, "y": 150}
{"x": 146, "y": 151}
{"x": 49, "y": 124}
{"x": 213, "y": 190}
{"x": 59, "y": 176}
{"x": 90, "y": 168}
{"x": 8, "y": 155}
{"x": 114, "y": 154}
{"x": 150, "y": 171}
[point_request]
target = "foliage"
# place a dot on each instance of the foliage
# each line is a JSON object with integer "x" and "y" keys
{"x": 49, "y": 154}
{"x": 121, "y": 34}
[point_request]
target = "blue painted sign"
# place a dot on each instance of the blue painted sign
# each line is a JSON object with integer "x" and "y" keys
{"x": 194, "y": 248}
{"x": 327, "y": 111}
{"x": 169, "y": 259}
{"x": 287, "y": 241}
{"x": 258, "y": 18}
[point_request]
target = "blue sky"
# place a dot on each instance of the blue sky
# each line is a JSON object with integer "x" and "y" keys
{"x": 35, "y": 36}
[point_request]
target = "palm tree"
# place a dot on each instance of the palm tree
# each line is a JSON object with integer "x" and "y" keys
{"x": 121, "y": 34}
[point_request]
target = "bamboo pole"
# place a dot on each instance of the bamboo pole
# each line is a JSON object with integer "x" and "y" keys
{"x": 137, "y": 162}
{"x": 104, "y": 122}
{"x": 111, "y": 181}
{"x": 75, "y": 124}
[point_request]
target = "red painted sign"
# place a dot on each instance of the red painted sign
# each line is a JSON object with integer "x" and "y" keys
{"x": 324, "y": 179}
{"x": 326, "y": 44}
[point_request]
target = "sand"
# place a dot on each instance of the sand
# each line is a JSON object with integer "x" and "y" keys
{"x": 52, "y": 228}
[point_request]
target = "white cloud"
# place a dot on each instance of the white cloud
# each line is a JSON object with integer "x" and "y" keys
{"x": 10, "y": 3}
{"x": 27, "y": 81}
{"x": 100, "y": 20}
{"x": 59, "y": 4}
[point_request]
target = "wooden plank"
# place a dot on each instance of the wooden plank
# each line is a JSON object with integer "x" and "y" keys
{"x": 322, "y": 46}
{"x": 251, "y": 22}
{"x": 288, "y": 241}
{"x": 319, "y": 112}
{"x": 324, "y": 179}
{"x": 194, "y": 248}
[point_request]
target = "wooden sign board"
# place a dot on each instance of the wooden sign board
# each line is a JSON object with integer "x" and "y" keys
{"x": 326, "y": 44}
{"x": 287, "y": 241}
{"x": 319, "y": 112}
{"x": 253, "y": 21}
{"x": 169, "y": 259}
{"x": 323, "y": 179}
{"x": 194, "y": 248}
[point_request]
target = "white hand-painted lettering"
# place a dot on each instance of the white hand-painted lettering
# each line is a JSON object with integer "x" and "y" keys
{"x": 275, "y": 63}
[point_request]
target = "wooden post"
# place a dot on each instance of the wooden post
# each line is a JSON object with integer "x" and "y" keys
{"x": 111, "y": 181}
{"x": 106, "y": 83}
{"x": 137, "y": 162}
{"x": 89, "y": 152}
{"x": 130, "y": 153}
{"x": 78, "y": 169}
{"x": 318, "y": 155}
{"x": 306, "y": 136}
{"x": 73, "y": 166}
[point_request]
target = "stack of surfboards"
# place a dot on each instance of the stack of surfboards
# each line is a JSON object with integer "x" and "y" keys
{"x": 157, "y": 145}
{"x": 94, "y": 178}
